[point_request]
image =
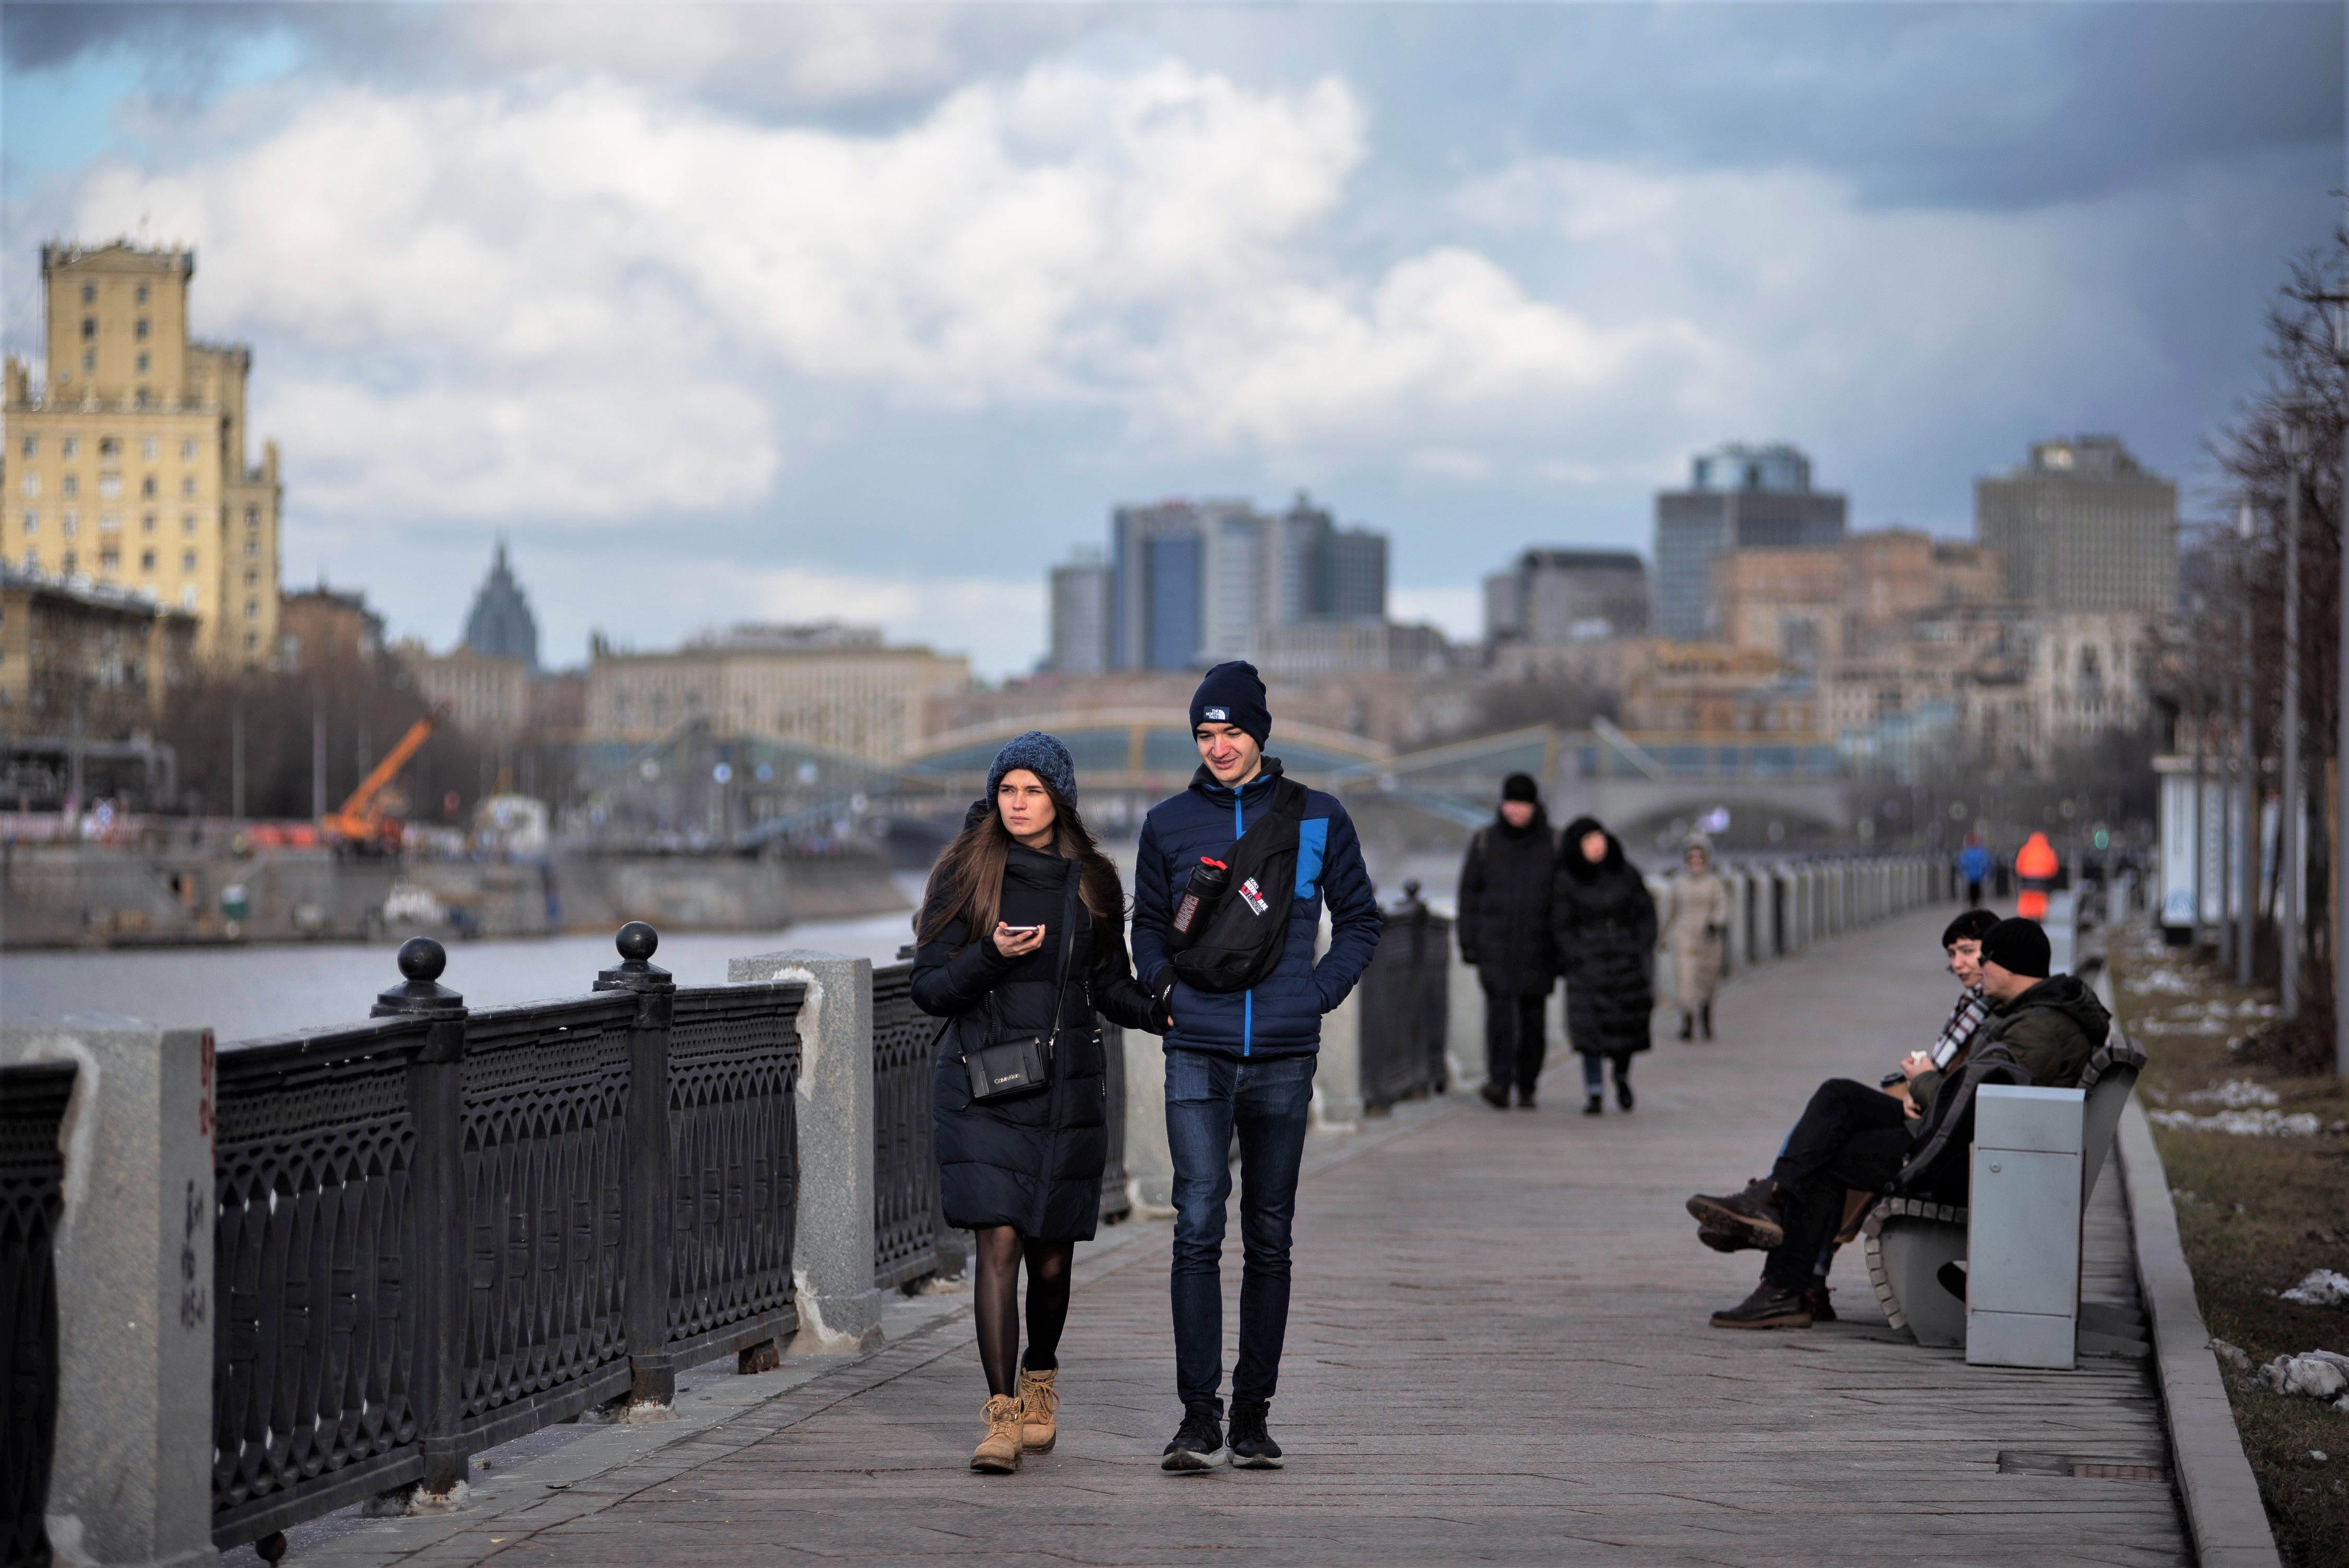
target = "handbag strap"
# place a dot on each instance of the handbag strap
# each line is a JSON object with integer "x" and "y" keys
{"x": 1069, "y": 903}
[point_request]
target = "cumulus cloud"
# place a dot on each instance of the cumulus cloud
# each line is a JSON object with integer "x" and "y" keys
{"x": 574, "y": 297}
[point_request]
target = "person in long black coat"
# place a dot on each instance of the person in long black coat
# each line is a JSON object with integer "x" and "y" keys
{"x": 1023, "y": 881}
{"x": 1604, "y": 923}
{"x": 1505, "y": 933}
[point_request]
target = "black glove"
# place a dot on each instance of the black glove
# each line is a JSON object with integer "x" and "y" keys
{"x": 1162, "y": 993}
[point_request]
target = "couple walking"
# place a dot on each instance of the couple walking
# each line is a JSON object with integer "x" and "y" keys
{"x": 1021, "y": 941}
{"x": 1536, "y": 906}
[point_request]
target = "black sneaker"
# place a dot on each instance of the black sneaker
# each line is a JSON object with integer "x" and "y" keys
{"x": 1199, "y": 1446}
{"x": 1495, "y": 1095}
{"x": 1767, "y": 1307}
{"x": 1623, "y": 1094}
{"x": 1252, "y": 1446}
{"x": 1595, "y": 1105}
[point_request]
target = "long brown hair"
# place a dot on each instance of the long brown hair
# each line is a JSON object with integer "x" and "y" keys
{"x": 966, "y": 883}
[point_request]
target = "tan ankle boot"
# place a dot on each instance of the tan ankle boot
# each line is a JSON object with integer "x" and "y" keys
{"x": 1038, "y": 1399}
{"x": 999, "y": 1452}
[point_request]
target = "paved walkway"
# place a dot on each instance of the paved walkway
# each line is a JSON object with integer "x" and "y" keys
{"x": 1498, "y": 1352}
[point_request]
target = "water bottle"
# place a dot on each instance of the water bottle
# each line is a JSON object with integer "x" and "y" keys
{"x": 1205, "y": 889}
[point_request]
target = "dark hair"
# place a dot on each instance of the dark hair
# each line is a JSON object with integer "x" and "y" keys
{"x": 966, "y": 883}
{"x": 1971, "y": 926}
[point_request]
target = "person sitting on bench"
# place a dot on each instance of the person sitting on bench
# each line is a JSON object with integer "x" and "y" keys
{"x": 2041, "y": 1030}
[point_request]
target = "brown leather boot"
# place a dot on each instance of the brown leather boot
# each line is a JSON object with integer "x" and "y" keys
{"x": 1758, "y": 1213}
{"x": 1038, "y": 1399}
{"x": 998, "y": 1452}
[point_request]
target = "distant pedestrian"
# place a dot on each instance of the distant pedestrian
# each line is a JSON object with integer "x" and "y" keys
{"x": 1022, "y": 938}
{"x": 1696, "y": 919}
{"x": 1973, "y": 864}
{"x": 1604, "y": 924}
{"x": 1504, "y": 926}
{"x": 1236, "y": 970}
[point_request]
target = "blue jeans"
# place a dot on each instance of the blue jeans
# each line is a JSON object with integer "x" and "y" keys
{"x": 1207, "y": 1097}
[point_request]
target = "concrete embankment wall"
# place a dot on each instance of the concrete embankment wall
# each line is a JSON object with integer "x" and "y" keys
{"x": 97, "y": 895}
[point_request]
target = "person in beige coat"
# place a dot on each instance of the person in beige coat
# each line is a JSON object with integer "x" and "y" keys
{"x": 1696, "y": 916}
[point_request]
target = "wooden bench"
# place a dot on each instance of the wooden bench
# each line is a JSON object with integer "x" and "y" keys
{"x": 1914, "y": 1246}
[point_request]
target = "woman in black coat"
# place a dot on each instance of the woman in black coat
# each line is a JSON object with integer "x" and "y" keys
{"x": 1604, "y": 923}
{"x": 1022, "y": 933}
{"x": 1503, "y": 925}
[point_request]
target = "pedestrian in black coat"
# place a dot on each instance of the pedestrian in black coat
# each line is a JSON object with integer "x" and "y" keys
{"x": 1604, "y": 923}
{"x": 1505, "y": 932}
{"x": 1022, "y": 882}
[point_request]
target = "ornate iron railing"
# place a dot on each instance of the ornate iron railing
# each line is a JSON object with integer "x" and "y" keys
{"x": 32, "y": 1104}
{"x": 442, "y": 1230}
{"x": 733, "y": 1076}
{"x": 1404, "y": 994}
{"x": 545, "y": 1098}
{"x": 910, "y": 1238}
{"x": 314, "y": 1350}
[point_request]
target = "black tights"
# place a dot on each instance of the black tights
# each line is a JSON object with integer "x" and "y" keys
{"x": 995, "y": 1302}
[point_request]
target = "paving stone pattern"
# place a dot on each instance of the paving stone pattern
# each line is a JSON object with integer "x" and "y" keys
{"x": 1498, "y": 1352}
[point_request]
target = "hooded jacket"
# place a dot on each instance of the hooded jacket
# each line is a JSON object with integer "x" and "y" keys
{"x": 1281, "y": 1016}
{"x": 1504, "y": 896}
{"x": 1604, "y": 923}
{"x": 2043, "y": 1037}
{"x": 2049, "y": 1032}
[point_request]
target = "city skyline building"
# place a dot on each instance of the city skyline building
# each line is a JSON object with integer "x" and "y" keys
{"x": 2081, "y": 528}
{"x": 1080, "y": 608}
{"x": 1191, "y": 583}
{"x": 1739, "y": 497}
{"x": 500, "y": 625}
{"x": 1553, "y": 597}
{"x": 126, "y": 463}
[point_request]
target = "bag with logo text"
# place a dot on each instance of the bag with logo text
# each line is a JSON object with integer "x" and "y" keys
{"x": 1249, "y": 930}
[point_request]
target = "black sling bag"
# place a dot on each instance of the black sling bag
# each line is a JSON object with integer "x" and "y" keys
{"x": 1249, "y": 930}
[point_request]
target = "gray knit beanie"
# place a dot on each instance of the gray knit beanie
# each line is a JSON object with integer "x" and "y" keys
{"x": 1040, "y": 755}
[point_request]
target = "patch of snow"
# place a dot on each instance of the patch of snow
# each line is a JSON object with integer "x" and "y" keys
{"x": 2317, "y": 1374}
{"x": 2232, "y": 1355}
{"x": 2235, "y": 1094}
{"x": 2269, "y": 1123}
{"x": 2322, "y": 1287}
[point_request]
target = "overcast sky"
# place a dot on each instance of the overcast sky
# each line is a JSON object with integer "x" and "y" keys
{"x": 764, "y": 312}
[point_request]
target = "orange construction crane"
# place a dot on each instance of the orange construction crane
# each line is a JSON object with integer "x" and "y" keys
{"x": 363, "y": 818}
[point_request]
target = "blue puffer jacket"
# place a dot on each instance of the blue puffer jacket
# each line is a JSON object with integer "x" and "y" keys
{"x": 1281, "y": 1017}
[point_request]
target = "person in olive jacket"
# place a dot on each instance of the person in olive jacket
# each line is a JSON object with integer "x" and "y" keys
{"x": 1503, "y": 925}
{"x": 1604, "y": 923}
{"x": 1023, "y": 880}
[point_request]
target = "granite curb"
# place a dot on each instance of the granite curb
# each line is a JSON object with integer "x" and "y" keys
{"x": 2220, "y": 1495}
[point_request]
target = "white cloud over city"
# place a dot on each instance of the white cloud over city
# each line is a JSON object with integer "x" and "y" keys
{"x": 612, "y": 279}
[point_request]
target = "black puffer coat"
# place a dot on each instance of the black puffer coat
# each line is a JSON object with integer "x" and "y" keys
{"x": 1033, "y": 1163}
{"x": 1504, "y": 900}
{"x": 1604, "y": 923}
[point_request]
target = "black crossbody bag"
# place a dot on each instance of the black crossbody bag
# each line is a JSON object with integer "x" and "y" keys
{"x": 1007, "y": 1067}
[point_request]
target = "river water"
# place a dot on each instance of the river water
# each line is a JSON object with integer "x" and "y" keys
{"x": 239, "y": 993}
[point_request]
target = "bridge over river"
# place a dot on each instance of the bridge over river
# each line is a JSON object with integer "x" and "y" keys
{"x": 1498, "y": 1352}
{"x": 1636, "y": 782}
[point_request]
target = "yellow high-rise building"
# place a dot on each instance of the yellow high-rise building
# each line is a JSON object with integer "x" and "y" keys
{"x": 129, "y": 467}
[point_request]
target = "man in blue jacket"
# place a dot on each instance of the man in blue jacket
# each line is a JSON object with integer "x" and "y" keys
{"x": 1242, "y": 1060}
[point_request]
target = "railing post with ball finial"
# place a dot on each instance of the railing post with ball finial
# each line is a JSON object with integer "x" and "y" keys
{"x": 649, "y": 1223}
{"x": 436, "y": 1108}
